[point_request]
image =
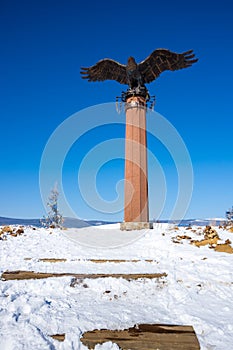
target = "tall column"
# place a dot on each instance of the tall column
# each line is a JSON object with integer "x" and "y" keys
{"x": 136, "y": 212}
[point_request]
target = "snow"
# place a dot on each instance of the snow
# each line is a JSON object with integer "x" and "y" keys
{"x": 216, "y": 219}
{"x": 197, "y": 291}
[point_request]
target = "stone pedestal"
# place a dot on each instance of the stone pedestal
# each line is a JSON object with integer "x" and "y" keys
{"x": 136, "y": 184}
{"x": 129, "y": 226}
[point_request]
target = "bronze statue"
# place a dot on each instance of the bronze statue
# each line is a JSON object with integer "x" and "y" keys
{"x": 136, "y": 75}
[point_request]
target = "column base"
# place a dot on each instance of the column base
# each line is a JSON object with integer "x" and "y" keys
{"x": 130, "y": 226}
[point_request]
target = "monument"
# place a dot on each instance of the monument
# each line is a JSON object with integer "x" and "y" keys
{"x": 136, "y": 99}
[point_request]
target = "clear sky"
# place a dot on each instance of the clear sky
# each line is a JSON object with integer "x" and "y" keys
{"x": 43, "y": 45}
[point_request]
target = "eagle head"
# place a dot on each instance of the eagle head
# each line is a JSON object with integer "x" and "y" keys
{"x": 131, "y": 64}
{"x": 131, "y": 60}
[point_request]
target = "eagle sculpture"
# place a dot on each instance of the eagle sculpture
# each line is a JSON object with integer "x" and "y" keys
{"x": 136, "y": 75}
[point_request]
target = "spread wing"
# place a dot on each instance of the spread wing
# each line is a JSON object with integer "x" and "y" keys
{"x": 105, "y": 69}
{"x": 161, "y": 60}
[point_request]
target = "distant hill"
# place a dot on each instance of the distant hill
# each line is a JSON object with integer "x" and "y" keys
{"x": 78, "y": 223}
{"x": 196, "y": 222}
{"x": 73, "y": 222}
{"x": 69, "y": 222}
{"x": 23, "y": 222}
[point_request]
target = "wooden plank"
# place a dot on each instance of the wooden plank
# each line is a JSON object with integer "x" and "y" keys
{"x": 146, "y": 337}
{"x": 97, "y": 261}
{"x": 118, "y": 261}
{"x": 52, "y": 260}
{"x": 25, "y": 275}
{"x": 59, "y": 337}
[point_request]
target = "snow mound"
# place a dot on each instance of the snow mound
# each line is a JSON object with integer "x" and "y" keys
{"x": 197, "y": 290}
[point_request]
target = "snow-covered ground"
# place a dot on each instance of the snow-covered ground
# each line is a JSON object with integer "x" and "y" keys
{"x": 197, "y": 291}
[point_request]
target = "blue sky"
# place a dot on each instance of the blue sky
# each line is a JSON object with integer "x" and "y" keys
{"x": 43, "y": 46}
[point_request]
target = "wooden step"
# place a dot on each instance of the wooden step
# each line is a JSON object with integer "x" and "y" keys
{"x": 145, "y": 337}
{"x": 25, "y": 275}
{"x": 96, "y": 261}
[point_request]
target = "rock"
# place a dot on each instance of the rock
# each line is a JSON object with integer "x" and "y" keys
{"x": 204, "y": 242}
{"x": 13, "y": 234}
{"x": 180, "y": 237}
{"x": 224, "y": 248}
{"x": 20, "y": 231}
{"x": 7, "y": 229}
{"x": 210, "y": 233}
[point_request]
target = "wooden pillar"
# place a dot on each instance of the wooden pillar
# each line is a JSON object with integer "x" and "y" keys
{"x": 136, "y": 183}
